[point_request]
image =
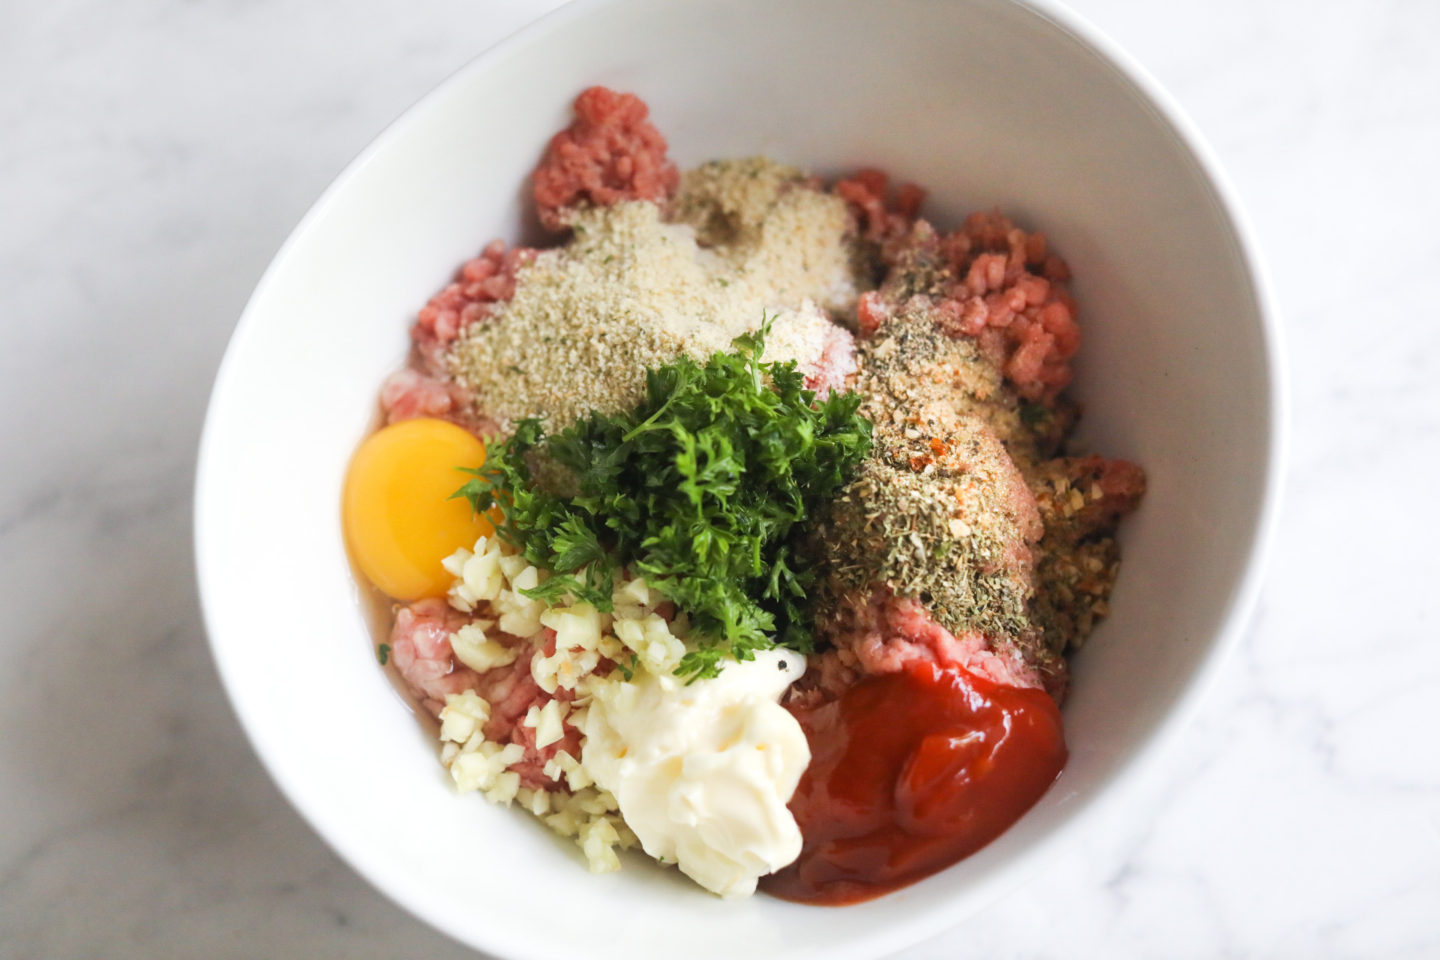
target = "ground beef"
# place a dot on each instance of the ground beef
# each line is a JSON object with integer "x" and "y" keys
{"x": 989, "y": 280}
{"x": 411, "y": 393}
{"x": 1121, "y": 485}
{"x": 1079, "y": 497}
{"x": 1032, "y": 560}
{"x": 479, "y": 286}
{"x": 1081, "y": 501}
{"x": 611, "y": 152}
{"x": 425, "y": 387}
{"x": 879, "y": 216}
{"x": 834, "y": 365}
{"x": 871, "y": 311}
{"x": 421, "y": 652}
{"x": 1010, "y": 299}
{"x": 512, "y": 691}
{"x": 884, "y": 634}
{"x": 408, "y": 393}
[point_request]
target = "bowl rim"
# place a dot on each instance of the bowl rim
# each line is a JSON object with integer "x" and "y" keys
{"x": 1237, "y": 612}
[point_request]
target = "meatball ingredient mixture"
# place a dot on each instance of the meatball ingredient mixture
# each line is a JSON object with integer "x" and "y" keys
{"x": 698, "y": 490}
{"x": 778, "y": 472}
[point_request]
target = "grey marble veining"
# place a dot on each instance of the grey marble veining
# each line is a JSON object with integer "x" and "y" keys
{"x": 154, "y": 154}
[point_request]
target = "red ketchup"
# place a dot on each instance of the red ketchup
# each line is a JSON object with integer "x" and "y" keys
{"x": 909, "y": 773}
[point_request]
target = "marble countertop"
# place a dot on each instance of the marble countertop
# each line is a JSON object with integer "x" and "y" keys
{"x": 153, "y": 156}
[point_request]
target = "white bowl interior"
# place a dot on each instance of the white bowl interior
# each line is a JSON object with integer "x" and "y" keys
{"x": 986, "y": 104}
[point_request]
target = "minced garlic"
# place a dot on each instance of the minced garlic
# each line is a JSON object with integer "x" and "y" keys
{"x": 494, "y": 574}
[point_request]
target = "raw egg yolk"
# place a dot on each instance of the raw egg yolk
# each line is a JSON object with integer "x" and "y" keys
{"x": 399, "y": 519}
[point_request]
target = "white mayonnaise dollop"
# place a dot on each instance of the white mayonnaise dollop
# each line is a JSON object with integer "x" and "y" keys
{"x": 702, "y": 773}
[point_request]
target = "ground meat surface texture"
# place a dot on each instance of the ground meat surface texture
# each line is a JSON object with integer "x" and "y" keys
{"x": 479, "y": 285}
{"x": 989, "y": 280}
{"x": 611, "y": 152}
{"x": 421, "y": 651}
{"x": 885, "y": 633}
{"x": 835, "y": 364}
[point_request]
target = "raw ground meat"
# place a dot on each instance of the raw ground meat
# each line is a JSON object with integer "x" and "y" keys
{"x": 479, "y": 285}
{"x": 425, "y": 388}
{"x": 834, "y": 365}
{"x": 511, "y": 692}
{"x": 953, "y": 425}
{"x": 989, "y": 280}
{"x": 1121, "y": 485}
{"x": 888, "y": 632}
{"x": 421, "y": 652}
{"x": 611, "y": 152}
{"x": 1081, "y": 500}
{"x": 1010, "y": 299}
{"x": 1105, "y": 491}
{"x": 410, "y": 393}
{"x": 879, "y": 216}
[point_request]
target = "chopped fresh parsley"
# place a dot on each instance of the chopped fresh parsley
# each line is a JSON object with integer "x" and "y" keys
{"x": 627, "y": 669}
{"x": 382, "y": 653}
{"x": 701, "y": 490}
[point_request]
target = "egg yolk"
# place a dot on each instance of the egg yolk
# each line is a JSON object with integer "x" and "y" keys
{"x": 399, "y": 519}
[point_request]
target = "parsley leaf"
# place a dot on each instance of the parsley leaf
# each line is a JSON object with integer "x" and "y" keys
{"x": 703, "y": 490}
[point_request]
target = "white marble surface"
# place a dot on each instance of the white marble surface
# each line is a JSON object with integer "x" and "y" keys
{"x": 154, "y": 154}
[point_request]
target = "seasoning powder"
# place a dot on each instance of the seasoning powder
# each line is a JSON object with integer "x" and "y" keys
{"x": 632, "y": 290}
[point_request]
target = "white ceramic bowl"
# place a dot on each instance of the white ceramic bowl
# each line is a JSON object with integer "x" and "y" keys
{"x": 985, "y": 102}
